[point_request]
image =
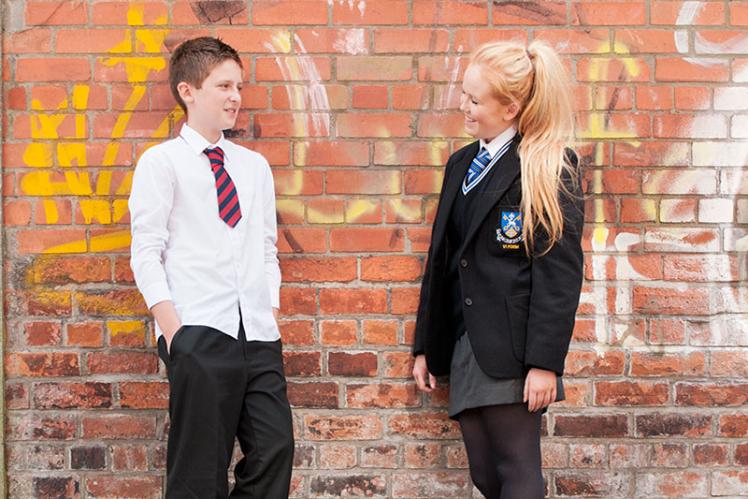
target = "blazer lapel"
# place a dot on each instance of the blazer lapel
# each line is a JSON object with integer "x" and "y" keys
{"x": 451, "y": 188}
{"x": 507, "y": 170}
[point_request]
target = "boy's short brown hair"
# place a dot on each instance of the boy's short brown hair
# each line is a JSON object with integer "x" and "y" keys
{"x": 193, "y": 60}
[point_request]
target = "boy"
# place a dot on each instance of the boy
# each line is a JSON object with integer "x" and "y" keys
{"x": 205, "y": 260}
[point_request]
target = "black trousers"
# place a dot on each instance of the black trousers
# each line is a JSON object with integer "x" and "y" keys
{"x": 221, "y": 388}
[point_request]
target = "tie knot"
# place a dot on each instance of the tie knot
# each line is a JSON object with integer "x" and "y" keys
{"x": 484, "y": 156}
{"x": 215, "y": 155}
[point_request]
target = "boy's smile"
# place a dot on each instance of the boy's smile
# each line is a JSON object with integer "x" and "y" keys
{"x": 214, "y": 106}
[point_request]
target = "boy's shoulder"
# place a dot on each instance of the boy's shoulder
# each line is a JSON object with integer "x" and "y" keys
{"x": 161, "y": 150}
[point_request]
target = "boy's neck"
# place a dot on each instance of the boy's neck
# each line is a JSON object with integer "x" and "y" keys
{"x": 210, "y": 134}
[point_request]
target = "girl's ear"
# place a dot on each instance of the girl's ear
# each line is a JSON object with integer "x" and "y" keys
{"x": 185, "y": 91}
{"x": 512, "y": 110}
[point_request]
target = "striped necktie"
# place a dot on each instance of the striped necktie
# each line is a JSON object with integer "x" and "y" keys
{"x": 228, "y": 200}
{"x": 478, "y": 165}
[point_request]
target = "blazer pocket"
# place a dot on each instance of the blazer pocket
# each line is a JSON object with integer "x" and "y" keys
{"x": 504, "y": 231}
{"x": 517, "y": 310}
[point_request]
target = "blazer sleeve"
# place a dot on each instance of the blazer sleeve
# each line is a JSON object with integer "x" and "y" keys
{"x": 419, "y": 341}
{"x": 556, "y": 283}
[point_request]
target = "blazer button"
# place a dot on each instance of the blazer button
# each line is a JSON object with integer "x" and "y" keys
{"x": 468, "y": 301}
{"x": 463, "y": 263}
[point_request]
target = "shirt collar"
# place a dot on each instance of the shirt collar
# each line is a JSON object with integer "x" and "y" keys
{"x": 496, "y": 144}
{"x": 197, "y": 142}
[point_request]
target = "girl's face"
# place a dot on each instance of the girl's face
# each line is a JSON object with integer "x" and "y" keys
{"x": 485, "y": 116}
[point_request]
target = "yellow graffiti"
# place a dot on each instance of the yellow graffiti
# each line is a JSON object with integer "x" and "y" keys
{"x": 47, "y": 125}
{"x": 598, "y": 129}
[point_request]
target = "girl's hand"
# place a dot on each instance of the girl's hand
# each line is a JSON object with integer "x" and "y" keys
{"x": 421, "y": 374}
{"x": 540, "y": 389}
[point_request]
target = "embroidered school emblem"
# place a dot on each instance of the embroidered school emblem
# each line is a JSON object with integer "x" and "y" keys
{"x": 510, "y": 228}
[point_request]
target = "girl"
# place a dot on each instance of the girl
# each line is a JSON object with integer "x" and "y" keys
{"x": 504, "y": 270}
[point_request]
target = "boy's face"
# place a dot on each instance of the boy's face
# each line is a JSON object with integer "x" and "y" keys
{"x": 215, "y": 105}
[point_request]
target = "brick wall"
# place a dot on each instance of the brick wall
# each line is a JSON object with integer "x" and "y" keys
{"x": 354, "y": 104}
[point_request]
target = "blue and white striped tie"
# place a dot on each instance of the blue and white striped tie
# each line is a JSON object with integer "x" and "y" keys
{"x": 480, "y": 162}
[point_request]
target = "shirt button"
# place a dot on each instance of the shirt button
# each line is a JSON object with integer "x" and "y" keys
{"x": 468, "y": 301}
{"x": 463, "y": 263}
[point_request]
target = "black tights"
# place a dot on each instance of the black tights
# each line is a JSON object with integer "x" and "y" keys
{"x": 503, "y": 448}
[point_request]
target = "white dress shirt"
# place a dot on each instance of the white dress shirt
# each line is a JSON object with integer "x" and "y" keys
{"x": 184, "y": 252}
{"x": 498, "y": 142}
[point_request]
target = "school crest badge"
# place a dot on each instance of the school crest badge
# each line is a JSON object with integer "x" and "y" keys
{"x": 509, "y": 231}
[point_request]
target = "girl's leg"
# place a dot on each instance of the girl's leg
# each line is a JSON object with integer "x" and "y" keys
{"x": 503, "y": 446}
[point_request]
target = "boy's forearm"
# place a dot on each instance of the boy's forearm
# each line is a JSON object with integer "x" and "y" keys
{"x": 166, "y": 317}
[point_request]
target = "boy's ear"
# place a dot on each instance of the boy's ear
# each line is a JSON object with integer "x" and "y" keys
{"x": 185, "y": 91}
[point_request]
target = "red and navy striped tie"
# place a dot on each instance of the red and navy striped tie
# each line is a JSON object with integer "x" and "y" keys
{"x": 228, "y": 201}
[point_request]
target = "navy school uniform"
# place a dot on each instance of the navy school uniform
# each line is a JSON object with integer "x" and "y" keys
{"x": 516, "y": 310}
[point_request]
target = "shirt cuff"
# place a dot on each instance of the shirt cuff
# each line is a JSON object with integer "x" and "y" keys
{"x": 156, "y": 293}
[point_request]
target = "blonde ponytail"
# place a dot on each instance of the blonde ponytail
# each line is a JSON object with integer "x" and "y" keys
{"x": 535, "y": 79}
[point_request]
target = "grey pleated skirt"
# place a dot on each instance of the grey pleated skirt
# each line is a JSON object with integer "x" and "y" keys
{"x": 470, "y": 387}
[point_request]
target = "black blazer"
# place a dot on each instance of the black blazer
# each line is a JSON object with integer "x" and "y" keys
{"x": 519, "y": 310}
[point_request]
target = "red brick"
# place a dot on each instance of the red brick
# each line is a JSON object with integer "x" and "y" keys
{"x": 390, "y": 268}
{"x": 315, "y": 395}
{"x": 380, "y": 12}
{"x": 566, "y": 41}
{"x": 335, "y": 457}
{"x": 687, "y": 425}
{"x": 276, "y": 69}
{"x": 382, "y": 395}
{"x": 42, "y": 333}
{"x": 592, "y": 483}
{"x": 129, "y": 457}
{"x": 380, "y": 332}
{"x": 711, "y": 394}
{"x": 336, "y": 41}
{"x": 352, "y": 364}
{"x": 302, "y": 240}
{"x": 369, "y": 97}
{"x": 545, "y": 13}
{"x": 57, "y": 240}
{"x": 87, "y": 334}
{"x": 363, "y": 182}
{"x": 671, "y": 301}
{"x": 298, "y": 301}
{"x": 425, "y": 425}
{"x": 289, "y": 12}
{"x": 608, "y": 13}
{"x": 711, "y": 455}
{"x": 458, "y": 12}
{"x": 49, "y": 303}
{"x": 56, "y": 13}
{"x": 671, "y": 365}
{"x": 115, "y": 13}
{"x": 621, "y": 393}
{"x": 582, "y": 363}
{"x": 415, "y": 153}
{"x": 608, "y": 425}
{"x": 117, "y": 302}
{"x": 57, "y": 69}
{"x": 680, "y": 70}
{"x": 137, "y": 486}
{"x": 733, "y": 425}
{"x": 66, "y": 270}
{"x": 667, "y": 12}
{"x": 453, "y": 483}
{"x": 318, "y": 269}
{"x": 72, "y": 395}
{"x": 374, "y": 125}
{"x": 402, "y": 40}
{"x": 405, "y": 300}
{"x": 297, "y": 332}
{"x": 338, "y": 332}
{"x": 379, "y": 68}
{"x": 379, "y": 456}
{"x": 353, "y": 301}
{"x": 122, "y": 363}
{"x": 302, "y": 363}
{"x": 729, "y": 363}
{"x": 366, "y": 239}
{"x": 350, "y": 427}
{"x": 92, "y": 41}
{"x": 41, "y": 364}
{"x": 144, "y": 395}
{"x": 31, "y": 41}
{"x": 23, "y": 426}
{"x": 331, "y": 153}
